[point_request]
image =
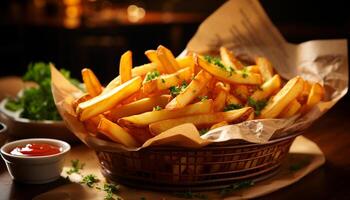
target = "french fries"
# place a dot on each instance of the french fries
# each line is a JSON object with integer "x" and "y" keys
{"x": 206, "y": 91}
{"x": 92, "y": 84}
{"x": 125, "y": 66}
{"x": 116, "y": 133}
{"x": 287, "y": 94}
{"x": 137, "y": 107}
{"x": 147, "y": 118}
{"x": 233, "y": 77}
{"x": 265, "y": 68}
{"x": 104, "y": 102}
{"x": 233, "y": 116}
{"x": 267, "y": 89}
{"x": 229, "y": 59}
{"x": 190, "y": 92}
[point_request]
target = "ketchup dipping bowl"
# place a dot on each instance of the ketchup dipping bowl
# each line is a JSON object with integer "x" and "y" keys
{"x": 39, "y": 162}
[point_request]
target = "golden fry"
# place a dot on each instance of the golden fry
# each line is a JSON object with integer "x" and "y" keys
{"x": 166, "y": 81}
{"x": 315, "y": 96}
{"x": 220, "y": 99}
{"x": 253, "y": 69}
{"x": 286, "y": 95}
{"x": 92, "y": 84}
{"x": 106, "y": 101}
{"x": 125, "y": 66}
{"x": 137, "y": 107}
{"x": 153, "y": 57}
{"x": 147, "y": 118}
{"x": 291, "y": 109}
{"x": 116, "y": 133}
{"x": 229, "y": 59}
{"x": 217, "y": 125}
{"x": 267, "y": 89}
{"x": 203, "y": 120}
{"x": 233, "y": 77}
{"x": 265, "y": 67}
{"x": 231, "y": 99}
{"x": 167, "y": 59}
{"x": 191, "y": 91}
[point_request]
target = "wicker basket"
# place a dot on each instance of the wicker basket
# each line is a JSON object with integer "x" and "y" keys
{"x": 212, "y": 167}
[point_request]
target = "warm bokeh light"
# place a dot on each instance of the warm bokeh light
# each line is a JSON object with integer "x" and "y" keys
{"x": 135, "y": 13}
{"x": 72, "y": 11}
{"x": 71, "y": 2}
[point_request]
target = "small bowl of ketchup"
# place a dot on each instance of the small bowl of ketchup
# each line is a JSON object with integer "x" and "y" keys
{"x": 35, "y": 161}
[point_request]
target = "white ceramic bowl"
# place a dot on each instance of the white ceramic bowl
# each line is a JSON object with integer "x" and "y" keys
{"x": 34, "y": 169}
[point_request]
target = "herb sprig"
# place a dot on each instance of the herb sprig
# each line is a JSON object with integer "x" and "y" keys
{"x": 257, "y": 105}
{"x": 232, "y": 106}
{"x": 76, "y": 167}
{"x": 176, "y": 90}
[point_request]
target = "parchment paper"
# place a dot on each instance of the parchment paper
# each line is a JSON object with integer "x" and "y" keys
{"x": 243, "y": 26}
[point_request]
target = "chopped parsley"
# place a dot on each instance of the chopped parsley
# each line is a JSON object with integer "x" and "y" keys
{"x": 203, "y": 131}
{"x": 232, "y": 106}
{"x": 176, "y": 90}
{"x": 76, "y": 167}
{"x": 236, "y": 186}
{"x": 245, "y": 72}
{"x": 110, "y": 189}
{"x": 257, "y": 105}
{"x": 163, "y": 81}
{"x": 202, "y": 98}
{"x": 152, "y": 75}
{"x": 90, "y": 180}
{"x": 217, "y": 62}
{"x": 157, "y": 108}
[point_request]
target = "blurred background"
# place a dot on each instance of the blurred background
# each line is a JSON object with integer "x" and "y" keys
{"x": 94, "y": 33}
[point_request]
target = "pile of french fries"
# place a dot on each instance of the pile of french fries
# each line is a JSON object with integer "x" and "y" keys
{"x": 206, "y": 91}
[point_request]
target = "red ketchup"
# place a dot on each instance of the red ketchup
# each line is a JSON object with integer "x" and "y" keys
{"x": 36, "y": 149}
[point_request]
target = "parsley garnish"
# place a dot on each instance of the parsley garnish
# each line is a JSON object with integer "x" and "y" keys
{"x": 232, "y": 106}
{"x": 202, "y": 98}
{"x": 176, "y": 90}
{"x": 152, "y": 75}
{"x": 163, "y": 81}
{"x": 38, "y": 103}
{"x": 245, "y": 72}
{"x": 110, "y": 189}
{"x": 257, "y": 105}
{"x": 76, "y": 167}
{"x": 156, "y": 108}
{"x": 217, "y": 62}
{"x": 203, "y": 131}
{"x": 236, "y": 186}
{"x": 90, "y": 180}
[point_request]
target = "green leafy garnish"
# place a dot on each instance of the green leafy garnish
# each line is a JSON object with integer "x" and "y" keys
{"x": 257, "y": 105}
{"x": 90, "y": 180}
{"x": 37, "y": 103}
{"x": 203, "y": 131}
{"x": 157, "y": 108}
{"x": 217, "y": 62}
{"x": 236, "y": 186}
{"x": 76, "y": 167}
{"x": 176, "y": 90}
{"x": 152, "y": 75}
{"x": 232, "y": 106}
{"x": 202, "y": 98}
{"x": 110, "y": 189}
{"x": 245, "y": 73}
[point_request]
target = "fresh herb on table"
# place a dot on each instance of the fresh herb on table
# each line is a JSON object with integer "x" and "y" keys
{"x": 176, "y": 90}
{"x": 190, "y": 195}
{"x": 76, "y": 167}
{"x": 203, "y": 131}
{"x": 232, "y": 106}
{"x": 257, "y": 105}
{"x": 152, "y": 75}
{"x": 235, "y": 187}
{"x": 37, "y": 103}
{"x": 90, "y": 180}
{"x": 157, "y": 108}
{"x": 110, "y": 189}
{"x": 202, "y": 98}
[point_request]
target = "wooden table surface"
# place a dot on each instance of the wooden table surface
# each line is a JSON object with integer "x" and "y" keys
{"x": 331, "y": 181}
